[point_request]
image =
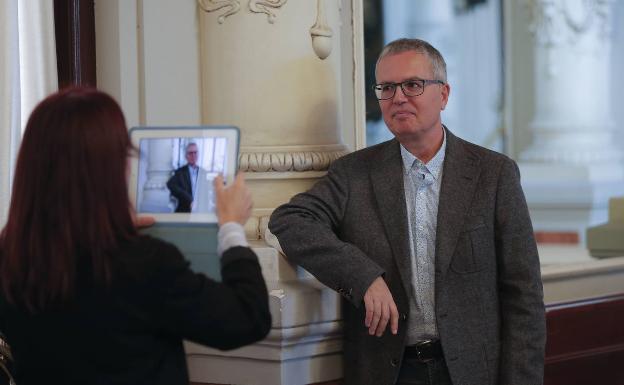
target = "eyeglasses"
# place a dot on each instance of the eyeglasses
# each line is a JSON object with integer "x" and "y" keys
{"x": 411, "y": 87}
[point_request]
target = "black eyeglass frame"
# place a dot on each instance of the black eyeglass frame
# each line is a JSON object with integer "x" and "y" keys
{"x": 423, "y": 83}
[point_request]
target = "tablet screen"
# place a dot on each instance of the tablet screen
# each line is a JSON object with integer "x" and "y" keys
{"x": 171, "y": 178}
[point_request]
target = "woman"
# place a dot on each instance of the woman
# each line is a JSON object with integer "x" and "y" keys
{"x": 86, "y": 299}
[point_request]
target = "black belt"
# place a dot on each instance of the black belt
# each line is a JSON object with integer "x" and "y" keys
{"x": 425, "y": 351}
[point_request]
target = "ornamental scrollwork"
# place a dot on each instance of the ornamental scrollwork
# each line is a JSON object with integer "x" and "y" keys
{"x": 233, "y": 6}
{"x": 215, "y": 5}
{"x": 266, "y": 6}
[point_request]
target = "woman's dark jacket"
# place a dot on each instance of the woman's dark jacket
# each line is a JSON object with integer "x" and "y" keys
{"x": 132, "y": 332}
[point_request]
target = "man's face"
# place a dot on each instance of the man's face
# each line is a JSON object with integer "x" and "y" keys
{"x": 191, "y": 155}
{"x": 411, "y": 117}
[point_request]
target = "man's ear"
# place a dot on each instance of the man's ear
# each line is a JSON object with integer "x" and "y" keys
{"x": 444, "y": 95}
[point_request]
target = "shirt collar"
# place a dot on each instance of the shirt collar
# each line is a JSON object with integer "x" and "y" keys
{"x": 434, "y": 166}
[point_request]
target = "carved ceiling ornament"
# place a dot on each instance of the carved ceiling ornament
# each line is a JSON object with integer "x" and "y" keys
{"x": 215, "y": 5}
{"x": 556, "y": 22}
{"x": 266, "y": 6}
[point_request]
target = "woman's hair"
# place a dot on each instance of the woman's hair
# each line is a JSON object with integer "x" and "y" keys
{"x": 69, "y": 204}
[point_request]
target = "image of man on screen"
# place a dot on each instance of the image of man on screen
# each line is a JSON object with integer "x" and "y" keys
{"x": 189, "y": 184}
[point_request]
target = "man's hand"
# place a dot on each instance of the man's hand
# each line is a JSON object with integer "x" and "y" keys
{"x": 380, "y": 308}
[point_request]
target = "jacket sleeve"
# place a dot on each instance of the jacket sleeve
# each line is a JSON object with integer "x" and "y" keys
{"x": 523, "y": 326}
{"x": 223, "y": 315}
{"x": 307, "y": 230}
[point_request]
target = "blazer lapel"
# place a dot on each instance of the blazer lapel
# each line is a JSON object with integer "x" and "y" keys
{"x": 387, "y": 181}
{"x": 459, "y": 180}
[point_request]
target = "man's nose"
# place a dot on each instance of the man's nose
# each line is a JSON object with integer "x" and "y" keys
{"x": 399, "y": 97}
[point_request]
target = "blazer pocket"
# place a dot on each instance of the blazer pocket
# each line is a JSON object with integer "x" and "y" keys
{"x": 471, "y": 253}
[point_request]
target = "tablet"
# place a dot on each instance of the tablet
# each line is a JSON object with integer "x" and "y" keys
{"x": 171, "y": 178}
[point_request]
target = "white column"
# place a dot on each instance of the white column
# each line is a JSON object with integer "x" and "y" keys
{"x": 284, "y": 71}
{"x": 573, "y": 123}
{"x": 275, "y": 69}
{"x": 261, "y": 72}
{"x": 154, "y": 190}
{"x": 572, "y": 166}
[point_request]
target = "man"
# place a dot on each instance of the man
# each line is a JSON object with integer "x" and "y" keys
{"x": 428, "y": 236}
{"x": 190, "y": 186}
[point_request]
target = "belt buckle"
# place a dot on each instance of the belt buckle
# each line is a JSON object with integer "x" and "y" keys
{"x": 423, "y": 345}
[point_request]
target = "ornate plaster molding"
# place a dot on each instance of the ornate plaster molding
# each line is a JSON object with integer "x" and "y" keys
{"x": 555, "y": 22}
{"x": 215, "y": 5}
{"x": 285, "y": 160}
{"x": 321, "y": 33}
{"x": 266, "y": 6}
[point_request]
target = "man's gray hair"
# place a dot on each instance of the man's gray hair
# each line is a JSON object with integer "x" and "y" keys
{"x": 438, "y": 64}
{"x": 189, "y": 144}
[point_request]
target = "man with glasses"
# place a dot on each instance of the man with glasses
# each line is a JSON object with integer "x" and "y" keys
{"x": 190, "y": 186}
{"x": 429, "y": 240}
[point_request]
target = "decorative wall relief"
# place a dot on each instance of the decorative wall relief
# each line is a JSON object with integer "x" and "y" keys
{"x": 215, "y": 5}
{"x": 556, "y": 22}
{"x": 321, "y": 33}
{"x": 299, "y": 161}
{"x": 265, "y": 6}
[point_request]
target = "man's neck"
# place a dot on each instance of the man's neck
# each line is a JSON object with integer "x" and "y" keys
{"x": 425, "y": 147}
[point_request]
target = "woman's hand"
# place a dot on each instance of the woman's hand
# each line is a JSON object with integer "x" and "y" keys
{"x": 143, "y": 221}
{"x": 234, "y": 201}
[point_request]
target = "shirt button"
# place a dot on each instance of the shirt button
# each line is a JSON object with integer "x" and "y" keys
{"x": 403, "y": 317}
{"x": 394, "y": 362}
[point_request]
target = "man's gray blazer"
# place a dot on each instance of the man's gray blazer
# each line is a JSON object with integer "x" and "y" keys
{"x": 351, "y": 227}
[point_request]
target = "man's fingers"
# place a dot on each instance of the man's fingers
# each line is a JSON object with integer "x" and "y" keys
{"x": 376, "y": 317}
{"x": 383, "y": 320}
{"x": 369, "y": 312}
{"x": 394, "y": 318}
{"x": 381, "y": 311}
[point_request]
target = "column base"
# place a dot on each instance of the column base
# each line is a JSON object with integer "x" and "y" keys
{"x": 565, "y": 200}
{"x": 304, "y": 345}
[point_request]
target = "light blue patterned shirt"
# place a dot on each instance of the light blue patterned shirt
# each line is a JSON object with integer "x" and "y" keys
{"x": 422, "y": 191}
{"x": 193, "y": 173}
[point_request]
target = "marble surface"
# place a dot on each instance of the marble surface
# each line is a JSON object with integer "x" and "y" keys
{"x": 569, "y": 273}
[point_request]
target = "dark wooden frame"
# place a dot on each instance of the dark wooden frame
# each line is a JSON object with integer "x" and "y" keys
{"x": 585, "y": 342}
{"x": 75, "y": 42}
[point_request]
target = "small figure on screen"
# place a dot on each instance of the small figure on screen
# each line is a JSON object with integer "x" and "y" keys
{"x": 190, "y": 185}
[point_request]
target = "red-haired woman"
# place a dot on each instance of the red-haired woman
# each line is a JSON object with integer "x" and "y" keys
{"x": 85, "y": 299}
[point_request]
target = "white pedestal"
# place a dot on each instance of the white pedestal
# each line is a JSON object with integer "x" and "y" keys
{"x": 304, "y": 345}
{"x": 570, "y": 198}
{"x": 569, "y": 273}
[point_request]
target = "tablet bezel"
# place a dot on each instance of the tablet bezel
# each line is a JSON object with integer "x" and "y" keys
{"x": 164, "y": 132}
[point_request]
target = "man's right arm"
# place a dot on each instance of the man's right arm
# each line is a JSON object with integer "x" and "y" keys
{"x": 306, "y": 229}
